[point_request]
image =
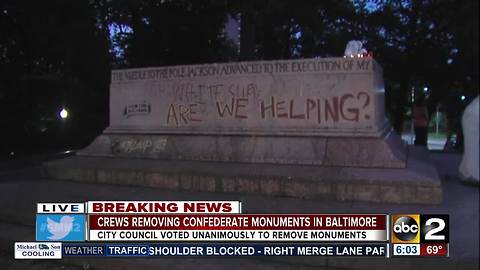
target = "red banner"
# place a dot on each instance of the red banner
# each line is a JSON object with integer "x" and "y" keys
{"x": 238, "y": 222}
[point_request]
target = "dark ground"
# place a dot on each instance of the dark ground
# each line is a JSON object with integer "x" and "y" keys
{"x": 21, "y": 188}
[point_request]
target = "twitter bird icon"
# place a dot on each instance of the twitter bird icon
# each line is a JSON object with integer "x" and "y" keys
{"x": 58, "y": 227}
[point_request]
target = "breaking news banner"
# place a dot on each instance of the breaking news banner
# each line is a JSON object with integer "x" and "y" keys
{"x": 219, "y": 228}
{"x": 238, "y": 227}
{"x": 144, "y": 207}
{"x": 420, "y": 235}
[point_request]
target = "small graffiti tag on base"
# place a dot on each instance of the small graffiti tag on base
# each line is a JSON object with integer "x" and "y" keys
{"x": 140, "y": 146}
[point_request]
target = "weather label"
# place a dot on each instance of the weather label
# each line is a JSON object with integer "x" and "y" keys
{"x": 60, "y": 227}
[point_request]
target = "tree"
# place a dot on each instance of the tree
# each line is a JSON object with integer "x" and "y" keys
{"x": 285, "y": 29}
{"x": 154, "y": 33}
{"x": 53, "y": 53}
{"x": 413, "y": 42}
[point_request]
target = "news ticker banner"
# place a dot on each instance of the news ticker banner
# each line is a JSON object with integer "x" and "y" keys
{"x": 63, "y": 250}
{"x": 221, "y": 223}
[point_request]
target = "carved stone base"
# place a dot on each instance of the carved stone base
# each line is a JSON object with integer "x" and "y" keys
{"x": 417, "y": 183}
{"x": 384, "y": 152}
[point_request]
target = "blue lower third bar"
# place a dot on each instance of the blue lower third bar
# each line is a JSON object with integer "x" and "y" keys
{"x": 223, "y": 250}
{"x": 82, "y": 250}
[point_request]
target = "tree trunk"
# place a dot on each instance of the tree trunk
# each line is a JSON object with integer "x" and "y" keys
{"x": 401, "y": 106}
{"x": 247, "y": 34}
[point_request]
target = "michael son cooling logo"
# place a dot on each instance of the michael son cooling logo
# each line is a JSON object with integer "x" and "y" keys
{"x": 414, "y": 228}
{"x": 38, "y": 250}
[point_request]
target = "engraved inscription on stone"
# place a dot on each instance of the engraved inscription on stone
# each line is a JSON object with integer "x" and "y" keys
{"x": 315, "y": 95}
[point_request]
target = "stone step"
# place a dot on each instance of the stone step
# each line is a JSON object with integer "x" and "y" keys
{"x": 417, "y": 183}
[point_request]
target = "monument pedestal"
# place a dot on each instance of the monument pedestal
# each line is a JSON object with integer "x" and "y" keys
{"x": 385, "y": 151}
{"x": 302, "y": 128}
{"x": 418, "y": 183}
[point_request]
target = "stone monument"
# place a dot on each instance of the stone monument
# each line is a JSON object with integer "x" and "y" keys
{"x": 303, "y": 128}
{"x": 313, "y": 111}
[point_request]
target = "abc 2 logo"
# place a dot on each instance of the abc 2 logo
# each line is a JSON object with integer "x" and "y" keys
{"x": 415, "y": 229}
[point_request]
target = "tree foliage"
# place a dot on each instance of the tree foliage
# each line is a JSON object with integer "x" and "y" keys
{"x": 62, "y": 51}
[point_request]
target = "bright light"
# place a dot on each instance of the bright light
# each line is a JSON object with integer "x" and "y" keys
{"x": 425, "y": 89}
{"x": 63, "y": 113}
{"x": 462, "y": 97}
